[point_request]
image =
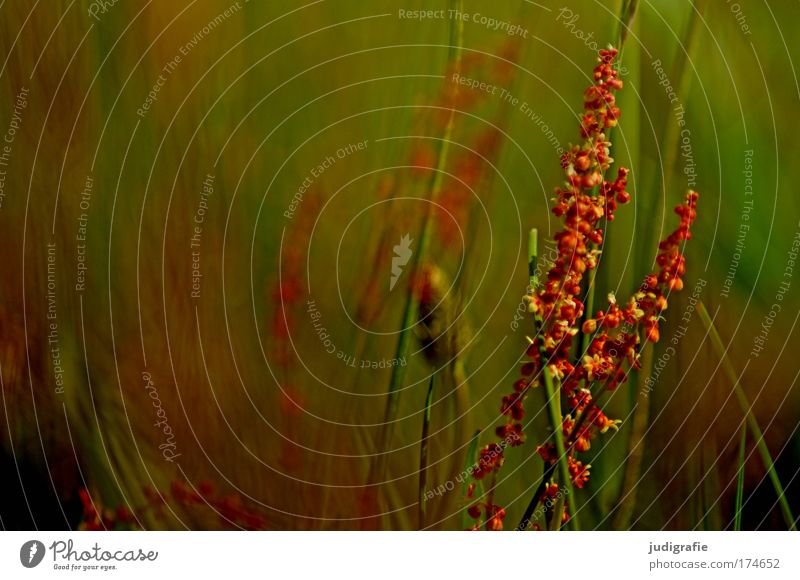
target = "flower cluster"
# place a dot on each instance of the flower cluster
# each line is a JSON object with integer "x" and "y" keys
{"x": 585, "y": 202}
{"x": 617, "y": 335}
{"x": 493, "y": 512}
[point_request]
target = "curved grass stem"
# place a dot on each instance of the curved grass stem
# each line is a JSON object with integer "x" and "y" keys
{"x": 553, "y": 403}
{"x": 423, "y": 453}
{"x": 411, "y": 308}
{"x": 553, "y": 393}
{"x": 752, "y": 422}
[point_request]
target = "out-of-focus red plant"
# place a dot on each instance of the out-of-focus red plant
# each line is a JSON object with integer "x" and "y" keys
{"x": 616, "y": 334}
{"x": 230, "y": 510}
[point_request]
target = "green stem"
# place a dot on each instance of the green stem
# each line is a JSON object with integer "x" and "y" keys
{"x": 641, "y": 412}
{"x": 553, "y": 394}
{"x": 533, "y": 259}
{"x": 556, "y": 420}
{"x": 553, "y": 403}
{"x": 423, "y": 453}
{"x": 558, "y": 514}
{"x": 752, "y": 422}
{"x": 627, "y": 14}
{"x": 410, "y": 311}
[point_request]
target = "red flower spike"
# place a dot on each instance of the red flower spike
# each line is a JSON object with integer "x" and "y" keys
{"x": 583, "y": 203}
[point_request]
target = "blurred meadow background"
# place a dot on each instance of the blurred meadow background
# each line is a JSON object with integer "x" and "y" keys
{"x": 202, "y": 203}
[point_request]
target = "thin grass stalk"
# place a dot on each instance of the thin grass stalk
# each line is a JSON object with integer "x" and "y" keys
{"x": 460, "y": 401}
{"x": 737, "y": 519}
{"x": 571, "y": 438}
{"x": 553, "y": 402}
{"x": 379, "y": 241}
{"x": 411, "y": 308}
{"x": 641, "y": 411}
{"x": 550, "y": 469}
{"x": 423, "y": 453}
{"x": 472, "y": 238}
{"x": 528, "y": 515}
{"x": 752, "y": 422}
{"x": 626, "y": 15}
{"x": 553, "y": 394}
{"x": 533, "y": 282}
{"x": 533, "y": 260}
{"x": 557, "y": 515}
{"x": 463, "y": 275}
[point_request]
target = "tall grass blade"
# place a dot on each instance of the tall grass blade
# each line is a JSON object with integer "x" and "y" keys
{"x": 752, "y": 422}
{"x": 627, "y": 12}
{"x": 423, "y": 453}
{"x": 641, "y": 412}
{"x": 554, "y": 409}
{"x": 410, "y": 310}
{"x": 626, "y": 16}
{"x": 553, "y": 394}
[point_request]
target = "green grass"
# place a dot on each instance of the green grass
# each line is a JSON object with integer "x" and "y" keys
{"x": 411, "y": 308}
{"x": 751, "y": 421}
